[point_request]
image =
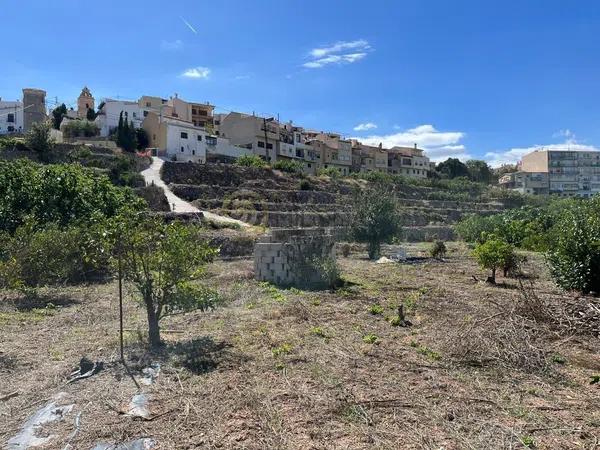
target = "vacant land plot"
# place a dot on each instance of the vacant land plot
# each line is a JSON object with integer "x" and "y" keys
{"x": 481, "y": 366}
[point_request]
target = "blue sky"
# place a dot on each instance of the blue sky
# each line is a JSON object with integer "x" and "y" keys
{"x": 461, "y": 78}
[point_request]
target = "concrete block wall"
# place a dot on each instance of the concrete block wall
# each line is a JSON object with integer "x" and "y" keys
{"x": 284, "y": 257}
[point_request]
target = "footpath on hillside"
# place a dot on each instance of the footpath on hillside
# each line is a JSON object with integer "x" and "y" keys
{"x": 178, "y": 205}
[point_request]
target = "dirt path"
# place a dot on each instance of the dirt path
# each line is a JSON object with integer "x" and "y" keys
{"x": 152, "y": 176}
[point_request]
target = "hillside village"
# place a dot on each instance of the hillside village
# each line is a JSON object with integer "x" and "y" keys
{"x": 176, "y": 278}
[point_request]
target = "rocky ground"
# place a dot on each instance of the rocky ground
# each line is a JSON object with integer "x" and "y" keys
{"x": 481, "y": 366}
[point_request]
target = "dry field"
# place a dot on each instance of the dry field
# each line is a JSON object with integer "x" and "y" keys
{"x": 481, "y": 366}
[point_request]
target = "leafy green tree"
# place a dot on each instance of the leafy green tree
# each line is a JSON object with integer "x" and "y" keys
{"x": 38, "y": 139}
{"x": 375, "y": 218}
{"x": 58, "y": 114}
{"x": 452, "y": 168}
{"x": 479, "y": 171}
{"x": 90, "y": 115}
{"x": 142, "y": 139}
{"x": 163, "y": 261}
{"x": 494, "y": 254}
{"x": 575, "y": 255}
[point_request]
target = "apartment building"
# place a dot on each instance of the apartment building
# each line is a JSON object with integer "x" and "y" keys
{"x": 158, "y": 105}
{"x": 258, "y": 134}
{"x": 181, "y": 140}
{"x": 334, "y": 151}
{"x": 11, "y": 116}
{"x": 366, "y": 158}
{"x": 532, "y": 183}
{"x": 110, "y": 112}
{"x": 408, "y": 161}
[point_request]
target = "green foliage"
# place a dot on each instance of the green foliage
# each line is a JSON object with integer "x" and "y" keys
{"x": 332, "y": 172}
{"x": 371, "y": 338}
{"x": 575, "y": 256}
{"x": 38, "y": 139}
{"x": 282, "y": 349}
{"x": 251, "y": 161}
{"x": 452, "y": 168}
{"x": 306, "y": 185}
{"x": 63, "y": 194}
{"x": 90, "y": 115}
{"x": 163, "y": 261}
{"x": 376, "y": 309}
{"x": 80, "y": 128}
{"x": 479, "y": 171}
{"x": 318, "y": 331}
{"x": 346, "y": 250}
{"x": 126, "y": 134}
{"x": 375, "y": 218}
{"x": 438, "y": 250}
{"x": 328, "y": 270}
{"x": 289, "y": 166}
{"x": 494, "y": 254}
{"x": 141, "y": 138}
{"x": 58, "y": 114}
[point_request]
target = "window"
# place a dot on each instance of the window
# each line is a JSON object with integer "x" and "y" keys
{"x": 153, "y": 137}
{"x": 217, "y": 122}
{"x": 134, "y": 114}
{"x": 184, "y": 135}
{"x": 11, "y": 128}
{"x": 202, "y": 112}
{"x": 10, "y": 118}
{"x": 194, "y": 111}
{"x": 211, "y": 140}
{"x": 193, "y": 152}
{"x": 199, "y": 137}
{"x": 145, "y": 113}
{"x": 201, "y": 124}
{"x": 148, "y": 104}
{"x": 261, "y": 144}
{"x": 269, "y": 146}
{"x": 181, "y": 149}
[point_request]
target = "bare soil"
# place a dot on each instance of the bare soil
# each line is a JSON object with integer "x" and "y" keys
{"x": 325, "y": 370}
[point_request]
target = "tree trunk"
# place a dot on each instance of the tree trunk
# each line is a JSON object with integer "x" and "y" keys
{"x": 153, "y": 326}
{"x": 492, "y": 279}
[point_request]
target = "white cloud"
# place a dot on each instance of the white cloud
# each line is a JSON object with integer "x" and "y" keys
{"x": 514, "y": 155}
{"x": 566, "y": 133}
{"x": 171, "y": 45}
{"x": 342, "y": 52}
{"x": 365, "y": 126}
{"x": 438, "y": 145}
{"x": 196, "y": 72}
{"x": 187, "y": 24}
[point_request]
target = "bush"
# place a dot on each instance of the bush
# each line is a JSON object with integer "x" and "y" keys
{"x": 294, "y": 167}
{"x": 80, "y": 128}
{"x": 38, "y": 139}
{"x": 63, "y": 194}
{"x": 251, "y": 161}
{"x": 575, "y": 256}
{"x": 438, "y": 250}
{"x": 374, "y": 219}
{"x": 345, "y": 250}
{"x": 494, "y": 254}
{"x": 332, "y": 172}
{"x": 328, "y": 270}
{"x": 305, "y": 185}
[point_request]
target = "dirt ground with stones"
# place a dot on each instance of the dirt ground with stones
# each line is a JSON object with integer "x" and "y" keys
{"x": 481, "y": 366}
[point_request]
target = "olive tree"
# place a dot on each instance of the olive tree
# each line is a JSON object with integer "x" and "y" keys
{"x": 375, "y": 218}
{"x": 164, "y": 261}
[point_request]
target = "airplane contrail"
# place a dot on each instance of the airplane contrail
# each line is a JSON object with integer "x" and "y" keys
{"x": 188, "y": 25}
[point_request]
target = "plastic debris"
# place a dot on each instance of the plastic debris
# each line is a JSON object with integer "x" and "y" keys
{"x": 384, "y": 260}
{"x": 138, "y": 406}
{"x": 150, "y": 374}
{"x": 86, "y": 369}
{"x": 138, "y": 444}
{"x": 27, "y": 437}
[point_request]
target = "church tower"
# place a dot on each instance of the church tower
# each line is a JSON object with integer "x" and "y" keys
{"x": 84, "y": 102}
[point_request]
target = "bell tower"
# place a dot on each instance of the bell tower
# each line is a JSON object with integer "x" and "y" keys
{"x": 84, "y": 102}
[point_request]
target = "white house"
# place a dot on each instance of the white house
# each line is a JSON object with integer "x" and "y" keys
{"x": 183, "y": 141}
{"x": 108, "y": 116}
{"x": 11, "y": 117}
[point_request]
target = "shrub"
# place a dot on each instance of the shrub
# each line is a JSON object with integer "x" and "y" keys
{"x": 63, "y": 194}
{"x": 295, "y": 167}
{"x": 371, "y": 338}
{"x": 251, "y": 161}
{"x": 305, "y": 185}
{"x": 376, "y": 309}
{"x": 328, "y": 270}
{"x": 332, "y": 172}
{"x": 374, "y": 219}
{"x": 494, "y": 254}
{"x": 345, "y": 250}
{"x": 38, "y": 139}
{"x": 80, "y": 128}
{"x": 575, "y": 257}
{"x": 438, "y": 250}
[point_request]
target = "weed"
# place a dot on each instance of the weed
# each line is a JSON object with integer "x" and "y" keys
{"x": 371, "y": 338}
{"x": 315, "y": 302}
{"x": 273, "y": 292}
{"x": 356, "y": 413}
{"x": 528, "y": 441}
{"x": 558, "y": 359}
{"x": 282, "y": 349}
{"x": 394, "y": 321}
{"x": 376, "y": 309}
{"x": 318, "y": 331}
{"x": 426, "y": 351}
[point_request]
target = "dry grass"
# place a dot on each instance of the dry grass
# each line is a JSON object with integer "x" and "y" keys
{"x": 290, "y": 369}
